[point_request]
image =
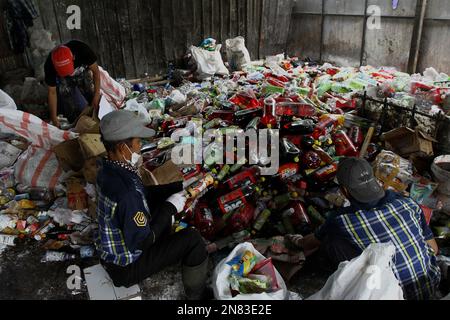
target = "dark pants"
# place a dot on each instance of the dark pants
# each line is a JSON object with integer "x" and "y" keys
{"x": 186, "y": 246}
{"x": 74, "y": 95}
{"x": 334, "y": 250}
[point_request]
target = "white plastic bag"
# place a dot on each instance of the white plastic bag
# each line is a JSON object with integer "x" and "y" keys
{"x": 208, "y": 63}
{"x": 6, "y": 102}
{"x": 221, "y": 284}
{"x": 8, "y": 154}
{"x": 367, "y": 277}
{"x": 38, "y": 167}
{"x": 112, "y": 90}
{"x": 237, "y": 54}
{"x": 35, "y": 130}
{"x": 134, "y": 106}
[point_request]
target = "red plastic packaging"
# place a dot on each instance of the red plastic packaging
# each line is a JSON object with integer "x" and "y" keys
{"x": 266, "y": 267}
{"x": 288, "y": 170}
{"x": 327, "y": 173}
{"x": 234, "y": 200}
{"x": 203, "y": 220}
{"x": 344, "y": 146}
{"x": 242, "y": 219}
{"x": 222, "y": 114}
{"x": 293, "y": 109}
{"x": 324, "y": 127}
{"x": 299, "y": 216}
{"x": 242, "y": 179}
{"x": 357, "y": 136}
{"x": 245, "y": 100}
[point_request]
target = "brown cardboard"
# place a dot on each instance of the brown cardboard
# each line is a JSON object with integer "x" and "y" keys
{"x": 405, "y": 141}
{"x": 90, "y": 170}
{"x": 87, "y": 124}
{"x": 77, "y": 197}
{"x": 91, "y": 145}
{"x": 69, "y": 155}
{"x": 166, "y": 174}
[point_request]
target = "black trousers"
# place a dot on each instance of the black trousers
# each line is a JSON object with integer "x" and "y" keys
{"x": 334, "y": 250}
{"x": 186, "y": 246}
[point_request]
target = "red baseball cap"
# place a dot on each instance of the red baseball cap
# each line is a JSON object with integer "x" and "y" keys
{"x": 62, "y": 58}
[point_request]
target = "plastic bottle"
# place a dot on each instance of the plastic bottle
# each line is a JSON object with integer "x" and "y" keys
{"x": 55, "y": 256}
{"x": 287, "y": 220}
{"x": 327, "y": 124}
{"x": 357, "y": 136}
{"x": 244, "y": 116}
{"x": 223, "y": 172}
{"x": 269, "y": 119}
{"x": 200, "y": 186}
{"x": 283, "y": 200}
{"x": 289, "y": 151}
{"x": 7, "y": 240}
{"x": 315, "y": 215}
{"x": 301, "y": 127}
{"x": 254, "y": 124}
{"x": 261, "y": 221}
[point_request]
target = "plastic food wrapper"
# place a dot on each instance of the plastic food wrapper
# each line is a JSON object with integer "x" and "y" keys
{"x": 241, "y": 265}
{"x": 254, "y": 284}
{"x": 421, "y": 192}
{"x": 223, "y": 271}
{"x": 393, "y": 171}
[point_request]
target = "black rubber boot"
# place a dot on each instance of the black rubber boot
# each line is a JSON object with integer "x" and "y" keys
{"x": 194, "y": 280}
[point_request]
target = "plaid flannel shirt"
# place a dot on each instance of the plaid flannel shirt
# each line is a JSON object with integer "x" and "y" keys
{"x": 398, "y": 220}
{"x": 123, "y": 214}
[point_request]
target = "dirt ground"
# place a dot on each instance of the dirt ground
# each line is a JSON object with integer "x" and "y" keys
{"x": 24, "y": 277}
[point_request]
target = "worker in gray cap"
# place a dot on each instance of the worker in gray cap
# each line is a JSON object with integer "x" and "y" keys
{"x": 134, "y": 237}
{"x": 377, "y": 216}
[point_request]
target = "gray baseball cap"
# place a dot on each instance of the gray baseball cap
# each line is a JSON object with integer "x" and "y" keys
{"x": 356, "y": 175}
{"x": 122, "y": 125}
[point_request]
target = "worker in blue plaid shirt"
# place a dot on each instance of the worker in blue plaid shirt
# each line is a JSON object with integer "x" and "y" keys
{"x": 376, "y": 216}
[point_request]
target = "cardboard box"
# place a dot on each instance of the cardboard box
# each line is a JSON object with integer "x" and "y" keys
{"x": 90, "y": 170}
{"x": 166, "y": 174}
{"x": 91, "y": 145}
{"x": 77, "y": 197}
{"x": 405, "y": 142}
{"x": 69, "y": 155}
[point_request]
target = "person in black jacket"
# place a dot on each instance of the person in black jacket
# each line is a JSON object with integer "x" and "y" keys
{"x": 134, "y": 238}
{"x": 73, "y": 79}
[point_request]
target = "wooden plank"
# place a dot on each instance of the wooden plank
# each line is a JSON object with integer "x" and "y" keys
{"x": 102, "y": 33}
{"x": 115, "y": 44}
{"x": 60, "y": 9}
{"x": 88, "y": 32}
{"x": 417, "y": 35}
{"x": 158, "y": 42}
{"x": 206, "y": 18}
{"x": 48, "y": 18}
{"x": 137, "y": 14}
{"x": 126, "y": 44}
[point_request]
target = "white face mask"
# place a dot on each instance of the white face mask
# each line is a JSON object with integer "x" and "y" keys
{"x": 136, "y": 159}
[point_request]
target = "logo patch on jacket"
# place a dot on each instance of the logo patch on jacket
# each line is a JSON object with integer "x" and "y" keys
{"x": 140, "y": 219}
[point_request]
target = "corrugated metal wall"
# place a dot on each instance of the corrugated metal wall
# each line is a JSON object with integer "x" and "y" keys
{"x": 137, "y": 36}
{"x": 336, "y": 31}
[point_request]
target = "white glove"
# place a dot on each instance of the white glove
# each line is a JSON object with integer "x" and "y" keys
{"x": 178, "y": 200}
